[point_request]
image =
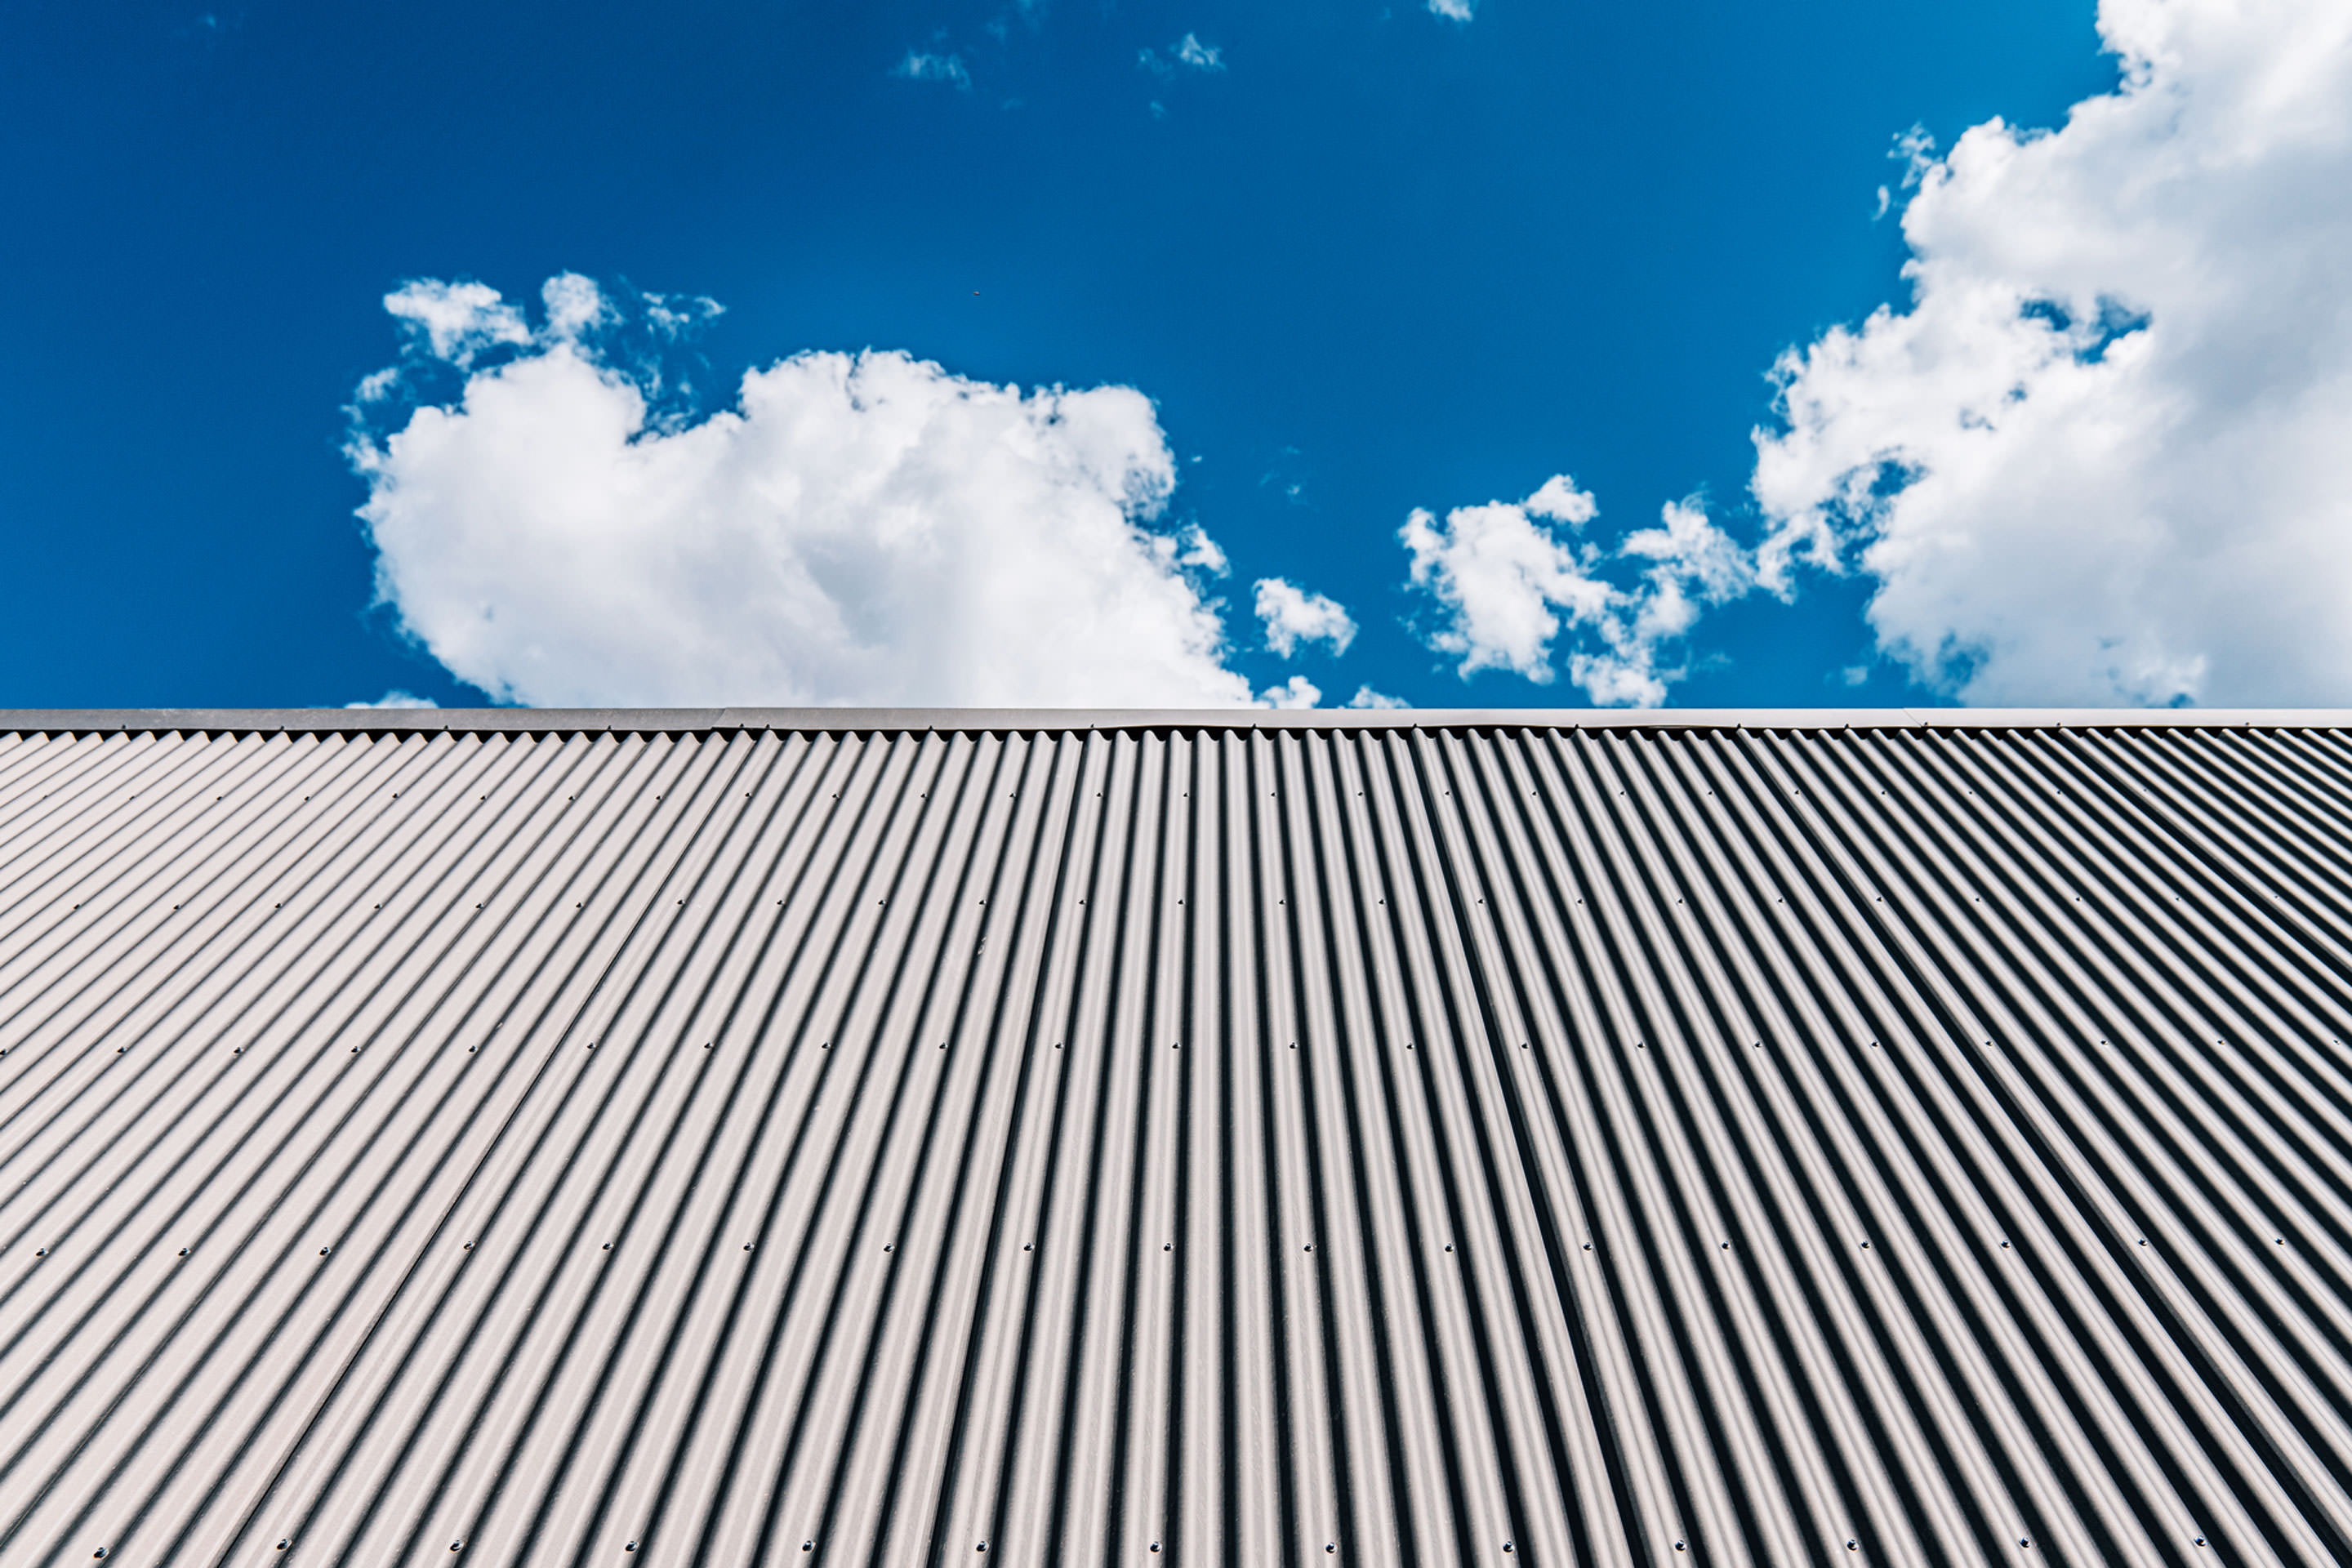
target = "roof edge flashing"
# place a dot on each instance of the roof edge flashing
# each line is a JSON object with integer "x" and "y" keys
{"x": 674, "y": 721}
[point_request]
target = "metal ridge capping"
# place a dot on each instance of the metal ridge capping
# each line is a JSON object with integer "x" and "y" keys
{"x": 928, "y": 1138}
{"x": 885, "y": 720}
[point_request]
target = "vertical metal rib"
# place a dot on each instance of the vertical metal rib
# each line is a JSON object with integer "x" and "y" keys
{"x": 1184, "y": 1141}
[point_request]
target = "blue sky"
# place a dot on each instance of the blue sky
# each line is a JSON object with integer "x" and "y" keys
{"x": 1360, "y": 258}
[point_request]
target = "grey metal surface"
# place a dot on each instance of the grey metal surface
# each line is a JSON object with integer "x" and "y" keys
{"x": 1239, "y": 1141}
{"x": 846, "y": 721}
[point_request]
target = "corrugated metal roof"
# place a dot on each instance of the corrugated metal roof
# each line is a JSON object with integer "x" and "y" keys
{"x": 719, "y": 1139}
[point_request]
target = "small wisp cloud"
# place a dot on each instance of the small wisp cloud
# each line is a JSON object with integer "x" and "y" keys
{"x": 1293, "y": 618}
{"x": 1187, "y": 53}
{"x": 920, "y": 66}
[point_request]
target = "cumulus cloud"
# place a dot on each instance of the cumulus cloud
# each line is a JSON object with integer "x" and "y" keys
{"x": 856, "y": 529}
{"x": 920, "y": 67}
{"x": 2106, "y": 455}
{"x": 1508, "y": 578}
{"x": 396, "y": 699}
{"x": 1452, "y": 10}
{"x": 1366, "y": 697}
{"x": 1292, "y": 617}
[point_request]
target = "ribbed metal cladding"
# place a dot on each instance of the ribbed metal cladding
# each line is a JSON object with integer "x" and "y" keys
{"x": 1203, "y": 1142}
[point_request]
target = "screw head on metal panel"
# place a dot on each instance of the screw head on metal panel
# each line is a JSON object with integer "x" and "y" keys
{"x": 1506, "y": 1546}
{"x": 456, "y": 1546}
{"x": 184, "y": 1252}
{"x": 100, "y": 1552}
{"x": 1680, "y": 1547}
{"x": 981, "y": 1547}
{"x": 632, "y": 1546}
{"x": 1850, "y": 1546}
{"x": 284, "y": 1544}
{"x": 1331, "y": 1546}
{"x": 808, "y": 1546}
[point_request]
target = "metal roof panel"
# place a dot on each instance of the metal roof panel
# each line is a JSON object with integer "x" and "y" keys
{"x": 746, "y": 1136}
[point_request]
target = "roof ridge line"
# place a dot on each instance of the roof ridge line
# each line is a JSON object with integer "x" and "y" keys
{"x": 838, "y": 719}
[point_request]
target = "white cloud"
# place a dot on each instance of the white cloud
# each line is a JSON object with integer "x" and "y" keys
{"x": 457, "y": 321}
{"x": 1194, "y": 548}
{"x": 1508, "y": 586}
{"x": 674, "y": 316}
{"x": 1296, "y": 692}
{"x": 396, "y": 699}
{"x": 1560, "y": 500}
{"x": 920, "y": 67}
{"x": 1503, "y": 579}
{"x": 1201, "y": 57}
{"x": 1188, "y": 52}
{"x": 1366, "y": 697}
{"x": 856, "y": 529}
{"x": 574, "y": 305}
{"x": 1292, "y": 617}
{"x": 2105, "y": 456}
{"x": 1452, "y": 10}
